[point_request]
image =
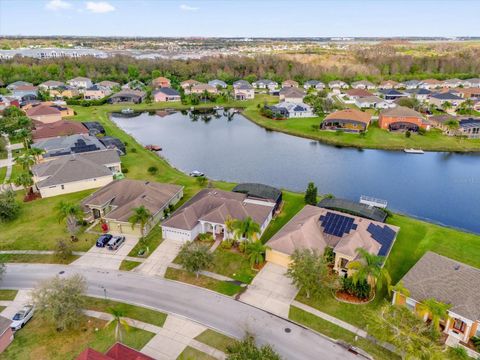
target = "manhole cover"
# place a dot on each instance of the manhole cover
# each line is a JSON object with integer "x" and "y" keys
{"x": 62, "y": 272}
{"x": 288, "y": 330}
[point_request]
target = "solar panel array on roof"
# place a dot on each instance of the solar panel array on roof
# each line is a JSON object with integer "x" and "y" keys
{"x": 384, "y": 235}
{"x": 336, "y": 224}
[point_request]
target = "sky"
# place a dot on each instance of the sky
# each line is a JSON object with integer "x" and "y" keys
{"x": 241, "y": 18}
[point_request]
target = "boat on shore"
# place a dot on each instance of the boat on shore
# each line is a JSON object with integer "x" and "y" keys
{"x": 414, "y": 151}
{"x": 196, "y": 173}
{"x": 127, "y": 111}
{"x": 153, "y": 148}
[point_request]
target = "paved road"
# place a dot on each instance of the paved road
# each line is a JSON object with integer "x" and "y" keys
{"x": 206, "y": 307}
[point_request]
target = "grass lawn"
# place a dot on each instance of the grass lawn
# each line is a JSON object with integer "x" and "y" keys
{"x": 131, "y": 311}
{"x": 35, "y": 258}
{"x": 40, "y": 340}
{"x": 128, "y": 265}
{"x": 232, "y": 264}
{"x": 336, "y": 332}
{"x": 222, "y": 287}
{"x": 8, "y": 294}
{"x": 3, "y": 172}
{"x": 215, "y": 339}
{"x": 193, "y": 354}
{"x": 37, "y": 227}
{"x": 151, "y": 241}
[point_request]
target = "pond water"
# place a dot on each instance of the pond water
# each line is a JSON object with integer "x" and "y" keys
{"x": 439, "y": 187}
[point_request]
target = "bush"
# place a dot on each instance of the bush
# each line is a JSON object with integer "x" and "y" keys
{"x": 329, "y": 255}
{"x": 152, "y": 170}
{"x": 125, "y": 170}
{"x": 476, "y": 341}
{"x": 408, "y": 134}
{"x": 227, "y": 244}
{"x": 207, "y": 237}
{"x": 133, "y": 150}
{"x": 9, "y": 207}
{"x": 422, "y": 131}
{"x": 361, "y": 289}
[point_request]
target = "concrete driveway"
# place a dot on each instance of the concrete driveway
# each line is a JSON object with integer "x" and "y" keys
{"x": 271, "y": 290}
{"x": 107, "y": 259}
{"x": 158, "y": 261}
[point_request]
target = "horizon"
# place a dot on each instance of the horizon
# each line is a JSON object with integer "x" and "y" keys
{"x": 246, "y": 19}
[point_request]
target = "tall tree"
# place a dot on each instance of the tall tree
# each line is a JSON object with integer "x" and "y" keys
{"x": 370, "y": 268}
{"x": 311, "y": 194}
{"x": 70, "y": 213}
{"x": 141, "y": 215}
{"x": 23, "y": 179}
{"x": 437, "y": 310}
{"x": 255, "y": 252}
{"x": 121, "y": 324}
{"x": 26, "y": 160}
{"x": 194, "y": 257}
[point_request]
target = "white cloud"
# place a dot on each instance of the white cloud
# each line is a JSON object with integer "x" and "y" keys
{"x": 185, "y": 7}
{"x": 99, "y": 7}
{"x": 58, "y": 5}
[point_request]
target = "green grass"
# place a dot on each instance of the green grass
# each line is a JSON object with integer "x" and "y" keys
{"x": 131, "y": 311}
{"x": 232, "y": 264}
{"x": 336, "y": 332}
{"x": 215, "y": 339}
{"x": 151, "y": 241}
{"x": 35, "y": 258}
{"x": 8, "y": 294}
{"x": 193, "y": 354}
{"x": 127, "y": 265}
{"x": 3, "y": 172}
{"x": 40, "y": 340}
{"x": 37, "y": 227}
{"x": 222, "y": 287}
{"x": 3, "y": 150}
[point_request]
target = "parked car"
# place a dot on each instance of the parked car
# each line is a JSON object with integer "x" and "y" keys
{"x": 116, "y": 242}
{"x": 22, "y": 317}
{"x": 103, "y": 240}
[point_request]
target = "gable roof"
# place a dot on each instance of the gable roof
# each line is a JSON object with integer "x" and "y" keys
{"x": 124, "y": 195}
{"x": 358, "y": 92}
{"x": 129, "y": 93}
{"x": 350, "y": 114}
{"x": 108, "y": 83}
{"x": 292, "y": 92}
{"x": 401, "y": 111}
{"x": 57, "y": 128}
{"x": 43, "y": 110}
{"x": 446, "y": 280}
{"x": 446, "y": 96}
{"x": 52, "y": 83}
{"x": 75, "y": 167}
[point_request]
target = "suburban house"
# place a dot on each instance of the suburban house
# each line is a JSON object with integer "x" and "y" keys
{"x": 64, "y": 91}
{"x": 392, "y": 94}
{"x": 390, "y": 84}
{"x": 372, "y": 102}
{"x": 94, "y": 128}
{"x": 117, "y": 352}
{"x": 338, "y": 84}
{"x": 289, "y": 83}
{"x": 80, "y": 82}
{"x": 114, "y": 203}
{"x": 474, "y": 82}
{"x": 240, "y": 83}
{"x": 441, "y": 98}
{"x": 469, "y": 127}
{"x": 261, "y": 191}
{"x": 265, "y": 84}
{"x": 201, "y": 88}
{"x": 218, "y": 84}
{"x": 108, "y": 84}
{"x": 243, "y": 92}
{"x": 165, "y": 94}
{"x": 160, "y": 82}
{"x": 421, "y": 95}
{"x": 317, "y": 228}
{"x": 25, "y": 92}
{"x": 318, "y": 85}
{"x": 467, "y": 93}
{"x": 412, "y": 84}
{"x": 451, "y": 282}
{"x": 15, "y": 84}
{"x": 348, "y": 120}
{"x": 210, "y": 209}
{"x": 187, "y": 84}
{"x": 291, "y": 110}
{"x": 452, "y": 83}
{"x": 50, "y": 84}
{"x": 357, "y": 93}
{"x": 76, "y": 172}
{"x": 6, "y": 333}
{"x": 44, "y": 113}
{"x": 96, "y": 92}
{"x": 401, "y": 118}
{"x": 128, "y": 96}
{"x": 65, "y": 145}
{"x": 430, "y": 84}
{"x": 134, "y": 85}
{"x": 292, "y": 94}
{"x": 363, "y": 84}
{"x": 55, "y": 129}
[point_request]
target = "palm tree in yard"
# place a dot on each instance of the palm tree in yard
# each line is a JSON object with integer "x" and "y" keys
{"x": 24, "y": 179}
{"x": 71, "y": 213}
{"x": 26, "y": 160}
{"x": 25, "y": 135}
{"x": 246, "y": 228}
{"x": 255, "y": 252}
{"x": 370, "y": 268}
{"x": 399, "y": 288}
{"x": 438, "y": 311}
{"x": 120, "y": 323}
{"x": 35, "y": 152}
{"x": 141, "y": 215}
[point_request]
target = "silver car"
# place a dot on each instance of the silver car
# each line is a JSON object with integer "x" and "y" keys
{"x": 22, "y": 317}
{"x": 116, "y": 242}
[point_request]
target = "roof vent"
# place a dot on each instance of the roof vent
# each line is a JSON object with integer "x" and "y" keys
{"x": 457, "y": 267}
{"x": 143, "y": 196}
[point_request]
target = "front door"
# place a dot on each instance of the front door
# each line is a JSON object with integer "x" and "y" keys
{"x": 96, "y": 214}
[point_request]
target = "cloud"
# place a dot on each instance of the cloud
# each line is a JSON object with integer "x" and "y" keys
{"x": 185, "y": 7}
{"x": 58, "y": 5}
{"x": 99, "y": 7}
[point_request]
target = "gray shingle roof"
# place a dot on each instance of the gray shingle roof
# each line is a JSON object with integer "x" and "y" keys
{"x": 64, "y": 145}
{"x": 446, "y": 280}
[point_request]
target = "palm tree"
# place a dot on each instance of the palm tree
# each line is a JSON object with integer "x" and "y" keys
{"x": 70, "y": 213}
{"x": 446, "y": 105}
{"x": 25, "y": 135}
{"x": 141, "y": 215}
{"x": 36, "y": 152}
{"x": 120, "y": 323}
{"x": 399, "y": 288}
{"x": 438, "y": 311}
{"x": 370, "y": 268}
{"x": 255, "y": 252}
{"x": 246, "y": 228}
{"x": 26, "y": 160}
{"x": 24, "y": 179}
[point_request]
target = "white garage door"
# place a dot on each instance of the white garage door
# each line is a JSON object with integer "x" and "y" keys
{"x": 176, "y": 234}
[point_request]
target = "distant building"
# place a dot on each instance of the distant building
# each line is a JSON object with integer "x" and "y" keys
{"x": 127, "y": 96}
{"x": 218, "y": 84}
{"x": 50, "y": 84}
{"x": 292, "y": 94}
{"x": 318, "y": 85}
{"x": 363, "y": 84}
{"x": 392, "y": 94}
{"x": 96, "y": 92}
{"x": 338, "y": 84}
{"x": 291, "y": 110}
{"x": 160, "y": 82}
{"x": 430, "y": 84}
{"x": 44, "y": 113}
{"x": 165, "y": 94}
{"x": 201, "y": 88}
{"x": 289, "y": 83}
{"x": 243, "y": 92}
{"x": 52, "y": 53}
{"x": 265, "y": 84}
{"x": 15, "y": 84}
{"x": 241, "y": 83}
{"x": 80, "y": 82}
{"x": 187, "y": 84}
{"x": 348, "y": 120}
{"x": 108, "y": 84}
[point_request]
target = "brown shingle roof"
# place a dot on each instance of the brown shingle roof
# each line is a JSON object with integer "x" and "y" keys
{"x": 401, "y": 111}
{"x": 43, "y": 110}
{"x": 448, "y": 281}
{"x": 58, "y": 128}
{"x": 350, "y": 114}
{"x": 358, "y": 92}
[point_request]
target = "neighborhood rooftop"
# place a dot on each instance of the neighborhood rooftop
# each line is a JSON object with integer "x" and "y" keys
{"x": 355, "y": 208}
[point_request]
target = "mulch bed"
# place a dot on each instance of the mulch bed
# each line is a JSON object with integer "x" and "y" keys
{"x": 343, "y": 296}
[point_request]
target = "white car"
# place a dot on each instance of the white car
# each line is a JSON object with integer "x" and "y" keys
{"x": 22, "y": 317}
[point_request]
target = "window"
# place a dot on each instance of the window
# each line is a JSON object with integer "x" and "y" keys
{"x": 410, "y": 304}
{"x": 459, "y": 325}
{"x": 63, "y": 187}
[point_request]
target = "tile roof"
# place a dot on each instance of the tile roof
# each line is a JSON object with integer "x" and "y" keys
{"x": 350, "y": 114}
{"x": 448, "y": 281}
{"x": 127, "y": 194}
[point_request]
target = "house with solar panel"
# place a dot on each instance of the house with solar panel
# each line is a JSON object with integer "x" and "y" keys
{"x": 318, "y": 228}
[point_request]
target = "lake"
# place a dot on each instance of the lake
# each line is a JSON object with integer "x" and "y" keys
{"x": 439, "y": 187}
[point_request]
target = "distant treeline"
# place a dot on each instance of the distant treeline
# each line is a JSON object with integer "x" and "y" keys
{"x": 375, "y": 64}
